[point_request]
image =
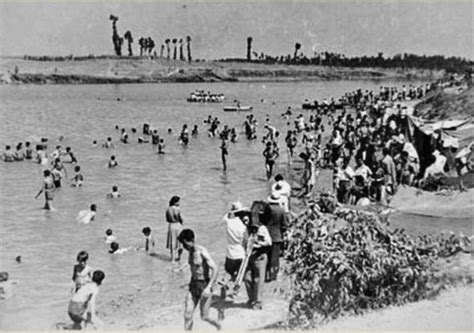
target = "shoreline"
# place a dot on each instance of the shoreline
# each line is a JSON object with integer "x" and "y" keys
{"x": 145, "y": 70}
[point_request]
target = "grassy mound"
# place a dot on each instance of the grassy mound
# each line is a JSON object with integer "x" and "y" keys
{"x": 450, "y": 103}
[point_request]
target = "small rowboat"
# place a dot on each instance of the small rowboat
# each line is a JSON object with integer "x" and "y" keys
{"x": 237, "y": 108}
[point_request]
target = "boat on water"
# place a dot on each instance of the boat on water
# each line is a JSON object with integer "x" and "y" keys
{"x": 237, "y": 108}
{"x": 199, "y": 96}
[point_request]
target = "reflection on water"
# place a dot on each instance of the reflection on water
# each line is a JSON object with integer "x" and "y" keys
{"x": 49, "y": 242}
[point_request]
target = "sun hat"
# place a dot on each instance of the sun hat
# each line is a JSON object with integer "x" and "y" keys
{"x": 237, "y": 207}
{"x": 274, "y": 197}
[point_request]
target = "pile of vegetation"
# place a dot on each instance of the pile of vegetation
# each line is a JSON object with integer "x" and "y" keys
{"x": 350, "y": 261}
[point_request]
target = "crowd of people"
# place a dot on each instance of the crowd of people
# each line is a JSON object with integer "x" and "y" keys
{"x": 365, "y": 146}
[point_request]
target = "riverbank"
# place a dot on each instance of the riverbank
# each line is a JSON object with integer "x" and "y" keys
{"x": 447, "y": 103}
{"x": 110, "y": 70}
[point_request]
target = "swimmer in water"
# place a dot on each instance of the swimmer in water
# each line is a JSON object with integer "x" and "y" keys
{"x": 8, "y": 154}
{"x": 224, "y": 151}
{"x": 28, "y": 151}
{"x": 114, "y": 194}
{"x": 195, "y": 131}
{"x": 112, "y": 162}
{"x": 149, "y": 240}
{"x": 87, "y": 215}
{"x": 161, "y": 147}
{"x": 108, "y": 143}
{"x": 48, "y": 189}
{"x": 78, "y": 178}
{"x": 72, "y": 158}
{"x": 109, "y": 237}
{"x": 115, "y": 248}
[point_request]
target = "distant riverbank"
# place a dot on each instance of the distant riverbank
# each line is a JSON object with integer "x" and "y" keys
{"x": 144, "y": 70}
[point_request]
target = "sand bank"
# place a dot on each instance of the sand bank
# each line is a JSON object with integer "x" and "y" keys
{"x": 145, "y": 70}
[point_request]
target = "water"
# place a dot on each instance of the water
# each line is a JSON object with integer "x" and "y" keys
{"x": 49, "y": 241}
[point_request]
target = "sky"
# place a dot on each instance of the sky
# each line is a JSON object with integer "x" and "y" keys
{"x": 219, "y": 29}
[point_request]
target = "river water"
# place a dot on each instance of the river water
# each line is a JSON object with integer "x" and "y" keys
{"x": 49, "y": 241}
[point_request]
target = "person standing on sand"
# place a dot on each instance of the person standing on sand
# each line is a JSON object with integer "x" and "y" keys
{"x": 82, "y": 273}
{"x": 236, "y": 234}
{"x": 203, "y": 277}
{"x": 48, "y": 189}
{"x": 254, "y": 278}
{"x": 276, "y": 221}
{"x": 81, "y": 308}
{"x": 175, "y": 225}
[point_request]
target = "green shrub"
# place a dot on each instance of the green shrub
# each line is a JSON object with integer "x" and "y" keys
{"x": 350, "y": 261}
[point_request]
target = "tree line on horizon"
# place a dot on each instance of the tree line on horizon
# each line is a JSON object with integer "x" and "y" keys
{"x": 402, "y": 60}
{"x": 147, "y": 44}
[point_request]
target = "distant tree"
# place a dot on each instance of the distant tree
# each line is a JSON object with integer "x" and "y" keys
{"x": 297, "y": 48}
{"x": 119, "y": 45}
{"x": 167, "y": 42}
{"x": 188, "y": 45}
{"x": 174, "y": 41}
{"x": 150, "y": 45}
{"x": 115, "y": 35}
{"x": 128, "y": 36}
{"x": 141, "y": 42}
{"x": 181, "y": 53}
{"x": 249, "y": 48}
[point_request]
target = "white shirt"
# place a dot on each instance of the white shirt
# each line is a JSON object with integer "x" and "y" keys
{"x": 284, "y": 190}
{"x": 363, "y": 171}
{"x": 236, "y": 232}
{"x": 410, "y": 149}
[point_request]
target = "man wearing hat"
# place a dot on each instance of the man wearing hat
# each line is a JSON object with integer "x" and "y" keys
{"x": 236, "y": 234}
{"x": 254, "y": 278}
{"x": 277, "y": 223}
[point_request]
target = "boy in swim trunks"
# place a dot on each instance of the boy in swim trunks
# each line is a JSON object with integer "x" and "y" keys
{"x": 203, "y": 276}
{"x": 81, "y": 308}
{"x": 48, "y": 189}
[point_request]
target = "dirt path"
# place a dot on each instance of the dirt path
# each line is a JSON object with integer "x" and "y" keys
{"x": 451, "y": 311}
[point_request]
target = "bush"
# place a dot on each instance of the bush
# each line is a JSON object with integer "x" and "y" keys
{"x": 351, "y": 261}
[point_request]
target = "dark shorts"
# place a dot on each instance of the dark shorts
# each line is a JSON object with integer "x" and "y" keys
{"x": 57, "y": 183}
{"x": 232, "y": 266}
{"x": 196, "y": 287}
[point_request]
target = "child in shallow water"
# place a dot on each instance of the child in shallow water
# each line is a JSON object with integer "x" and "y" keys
{"x": 115, "y": 248}
{"x": 109, "y": 237}
{"x": 78, "y": 178}
{"x": 114, "y": 194}
{"x": 112, "y": 162}
{"x": 82, "y": 272}
{"x": 149, "y": 240}
{"x": 161, "y": 147}
{"x": 81, "y": 308}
